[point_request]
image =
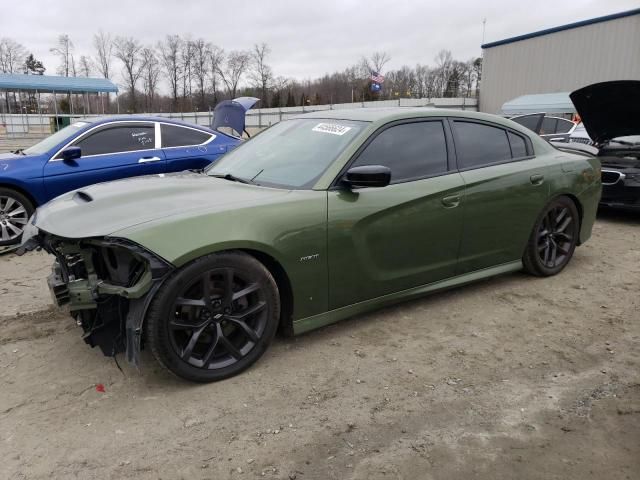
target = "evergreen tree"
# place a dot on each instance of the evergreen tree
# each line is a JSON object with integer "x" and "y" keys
{"x": 33, "y": 66}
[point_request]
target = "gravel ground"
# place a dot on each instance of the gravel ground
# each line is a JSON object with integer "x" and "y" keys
{"x": 514, "y": 377}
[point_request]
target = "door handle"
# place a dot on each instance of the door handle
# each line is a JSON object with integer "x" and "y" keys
{"x": 537, "y": 179}
{"x": 149, "y": 159}
{"x": 451, "y": 201}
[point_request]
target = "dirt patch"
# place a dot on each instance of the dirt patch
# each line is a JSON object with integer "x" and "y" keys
{"x": 514, "y": 377}
{"x": 23, "y": 283}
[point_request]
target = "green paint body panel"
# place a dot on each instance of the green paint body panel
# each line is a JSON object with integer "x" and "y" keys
{"x": 390, "y": 239}
{"x": 344, "y": 252}
{"x": 332, "y": 316}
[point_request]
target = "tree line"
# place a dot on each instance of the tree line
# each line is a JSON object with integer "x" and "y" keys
{"x": 199, "y": 74}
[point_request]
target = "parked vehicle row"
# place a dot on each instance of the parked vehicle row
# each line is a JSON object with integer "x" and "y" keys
{"x": 100, "y": 150}
{"x": 318, "y": 218}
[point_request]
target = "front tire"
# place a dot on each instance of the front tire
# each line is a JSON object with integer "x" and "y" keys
{"x": 553, "y": 239}
{"x": 214, "y": 318}
{"x": 15, "y": 211}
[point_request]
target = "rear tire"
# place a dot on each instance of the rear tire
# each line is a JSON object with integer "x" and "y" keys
{"x": 15, "y": 211}
{"x": 553, "y": 239}
{"x": 214, "y": 317}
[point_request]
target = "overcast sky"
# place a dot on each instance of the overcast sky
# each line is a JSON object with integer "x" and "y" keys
{"x": 308, "y": 39}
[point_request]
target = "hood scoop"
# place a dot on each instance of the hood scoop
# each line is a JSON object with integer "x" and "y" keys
{"x": 82, "y": 197}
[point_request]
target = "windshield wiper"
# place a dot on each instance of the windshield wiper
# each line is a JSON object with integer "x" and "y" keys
{"x": 20, "y": 151}
{"x": 233, "y": 178}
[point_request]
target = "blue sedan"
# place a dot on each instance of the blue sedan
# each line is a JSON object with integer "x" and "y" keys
{"x": 89, "y": 152}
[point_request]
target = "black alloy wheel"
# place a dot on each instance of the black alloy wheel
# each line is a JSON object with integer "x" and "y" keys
{"x": 214, "y": 318}
{"x": 553, "y": 239}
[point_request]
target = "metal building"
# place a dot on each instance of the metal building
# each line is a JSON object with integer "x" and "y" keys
{"x": 561, "y": 59}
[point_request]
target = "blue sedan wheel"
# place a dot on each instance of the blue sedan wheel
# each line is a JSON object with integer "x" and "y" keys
{"x": 15, "y": 210}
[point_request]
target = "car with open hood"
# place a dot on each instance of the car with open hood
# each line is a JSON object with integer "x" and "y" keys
{"x": 97, "y": 150}
{"x": 318, "y": 218}
{"x": 610, "y": 113}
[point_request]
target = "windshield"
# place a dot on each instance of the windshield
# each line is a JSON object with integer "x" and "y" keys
{"x": 291, "y": 154}
{"x": 52, "y": 140}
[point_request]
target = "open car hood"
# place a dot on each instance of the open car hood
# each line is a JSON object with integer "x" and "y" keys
{"x": 609, "y": 109}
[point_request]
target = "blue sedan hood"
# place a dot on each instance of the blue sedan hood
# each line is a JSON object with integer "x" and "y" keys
{"x": 10, "y": 156}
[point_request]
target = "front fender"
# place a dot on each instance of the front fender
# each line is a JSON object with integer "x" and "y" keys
{"x": 292, "y": 232}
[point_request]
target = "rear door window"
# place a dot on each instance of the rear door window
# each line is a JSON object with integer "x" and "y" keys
{"x": 518, "y": 145}
{"x": 117, "y": 139}
{"x": 529, "y": 121}
{"x": 176, "y": 136}
{"x": 410, "y": 150}
{"x": 478, "y": 144}
{"x": 564, "y": 126}
{"x": 549, "y": 125}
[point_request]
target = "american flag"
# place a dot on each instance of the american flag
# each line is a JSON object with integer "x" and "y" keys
{"x": 376, "y": 77}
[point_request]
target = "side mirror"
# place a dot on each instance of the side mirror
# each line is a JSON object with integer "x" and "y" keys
{"x": 368, "y": 176}
{"x": 71, "y": 153}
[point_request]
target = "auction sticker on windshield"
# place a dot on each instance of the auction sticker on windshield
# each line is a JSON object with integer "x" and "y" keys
{"x": 331, "y": 128}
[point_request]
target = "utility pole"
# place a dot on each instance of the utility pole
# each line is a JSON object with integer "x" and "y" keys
{"x": 484, "y": 28}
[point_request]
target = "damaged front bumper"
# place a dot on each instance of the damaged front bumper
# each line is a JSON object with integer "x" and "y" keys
{"x": 107, "y": 284}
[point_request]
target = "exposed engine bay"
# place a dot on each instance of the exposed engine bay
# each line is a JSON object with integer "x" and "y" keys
{"x": 107, "y": 284}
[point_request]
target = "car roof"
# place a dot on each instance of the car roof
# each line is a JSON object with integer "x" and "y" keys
{"x": 141, "y": 118}
{"x": 387, "y": 114}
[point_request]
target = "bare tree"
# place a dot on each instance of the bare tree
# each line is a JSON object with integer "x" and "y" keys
{"x": 378, "y": 60}
{"x": 127, "y": 50}
{"x": 374, "y": 63}
{"x": 261, "y": 73}
{"x": 64, "y": 50}
{"x": 12, "y": 55}
{"x": 150, "y": 76}
{"x": 279, "y": 84}
{"x": 402, "y": 81}
{"x": 201, "y": 59}
{"x": 170, "y": 58}
{"x": 234, "y": 67}
{"x": 103, "y": 44}
{"x": 216, "y": 57}
{"x": 186, "y": 60}
{"x": 85, "y": 66}
{"x": 444, "y": 61}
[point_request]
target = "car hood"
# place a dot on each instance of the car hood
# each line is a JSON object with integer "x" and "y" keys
{"x": 106, "y": 208}
{"x": 14, "y": 156}
{"x": 9, "y": 156}
{"x": 609, "y": 109}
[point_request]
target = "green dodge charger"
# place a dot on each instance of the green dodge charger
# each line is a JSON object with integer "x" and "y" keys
{"x": 318, "y": 218}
